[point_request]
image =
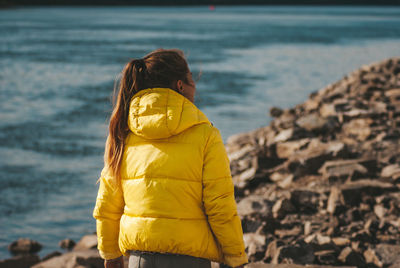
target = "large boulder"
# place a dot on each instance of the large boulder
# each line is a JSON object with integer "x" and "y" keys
{"x": 86, "y": 242}
{"x": 24, "y": 246}
{"x": 20, "y": 261}
{"x": 81, "y": 258}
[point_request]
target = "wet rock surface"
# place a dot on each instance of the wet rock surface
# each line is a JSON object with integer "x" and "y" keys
{"x": 321, "y": 184}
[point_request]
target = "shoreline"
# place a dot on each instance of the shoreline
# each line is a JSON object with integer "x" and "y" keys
{"x": 320, "y": 185}
{"x": 64, "y": 3}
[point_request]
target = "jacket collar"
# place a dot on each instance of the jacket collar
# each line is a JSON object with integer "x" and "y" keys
{"x": 158, "y": 113}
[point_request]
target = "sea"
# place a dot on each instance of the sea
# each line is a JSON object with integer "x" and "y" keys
{"x": 59, "y": 65}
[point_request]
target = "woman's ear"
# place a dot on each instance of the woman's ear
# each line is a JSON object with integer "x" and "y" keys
{"x": 179, "y": 86}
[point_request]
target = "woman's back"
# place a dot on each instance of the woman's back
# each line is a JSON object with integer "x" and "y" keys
{"x": 162, "y": 173}
{"x": 174, "y": 191}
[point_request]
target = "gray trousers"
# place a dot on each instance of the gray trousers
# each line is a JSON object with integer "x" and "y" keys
{"x": 139, "y": 259}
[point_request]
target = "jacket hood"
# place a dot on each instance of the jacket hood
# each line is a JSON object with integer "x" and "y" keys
{"x": 158, "y": 113}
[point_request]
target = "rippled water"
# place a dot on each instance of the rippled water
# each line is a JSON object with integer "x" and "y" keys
{"x": 58, "y": 66}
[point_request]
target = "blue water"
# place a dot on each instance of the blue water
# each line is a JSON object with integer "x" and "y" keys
{"x": 58, "y": 67}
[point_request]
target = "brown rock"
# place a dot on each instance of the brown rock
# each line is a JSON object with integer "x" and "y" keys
{"x": 85, "y": 258}
{"x": 254, "y": 204}
{"x": 389, "y": 254}
{"x": 349, "y": 133}
{"x": 282, "y": 207}
{"x": 255, "y": 245}
{"x": 307, "y": 228}
{"x": 242, "y": 152}
{"x": 334, "y": 199}
{"x": 393, "y": 95}
{"x": 312, "y": 122}
{"x": 380, "y": 211}
{"x": 245, "y": 177}
{"x": 285, "y": 120}
{"x": 251, "y": 225}
{"x": 370, "y": 257}
{"x": 284, "y": 135}
{"x": 51, "y": 255}
{"x": 391, "y": 171}
{"x": 21, "y": 261}
{"x": 341, "y": 241}
{"x": 275, "y": 111}
{"x": 300, "y": 253}
{"x": 86, "y": 242}
{"x": 326, "y": 256}
{"x": 67, "y": 243}
{"x": 358, "y": 128}
{"x": 294, "y": 232}
{"x": 286, "y": 149}
{"x": 350, "y": 257}
{"x": 305, "y": 201}
{"x": 286, "y": 182}
{"x": 267, "y": 265}
{"x": 273, "y": 251}
{"x": 327, "y": 109}
{"x": 323, "y": 239}
{"x": 310, "y": 160}
{"x": 24, "y": 246}
{"x": 311, "y": 105}
{"x": 343, "y": 169}
{"x": 278, "y": 176}
{"x": 353, "y": 191}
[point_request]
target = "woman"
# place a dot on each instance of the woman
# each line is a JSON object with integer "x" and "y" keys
{"x": 166, "y": 196}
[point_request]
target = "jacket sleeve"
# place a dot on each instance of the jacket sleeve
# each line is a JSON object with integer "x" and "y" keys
{"x": 219, "y": 201}
{"x": 107, "y": 212}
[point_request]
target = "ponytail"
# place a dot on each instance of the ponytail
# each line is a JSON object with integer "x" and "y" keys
{"x": 131, "y": 78}
{"x": 161, "y": 68}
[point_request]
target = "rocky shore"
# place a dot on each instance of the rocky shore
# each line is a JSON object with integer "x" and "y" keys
{"x": 321, "y": 184}
{"x": 318, "y": 187}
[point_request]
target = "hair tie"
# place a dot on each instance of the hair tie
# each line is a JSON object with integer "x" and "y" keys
{"x": 140, "y": 64}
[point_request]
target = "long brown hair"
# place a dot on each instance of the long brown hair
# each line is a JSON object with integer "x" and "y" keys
{"x": 160, "y": 68}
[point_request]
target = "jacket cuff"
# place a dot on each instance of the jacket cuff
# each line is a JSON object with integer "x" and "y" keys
{"x": 109, "y": 255}
{"x": 234, "y": 260}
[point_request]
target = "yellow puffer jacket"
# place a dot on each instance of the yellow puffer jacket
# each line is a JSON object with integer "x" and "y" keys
{"x": 177, "y": 193}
